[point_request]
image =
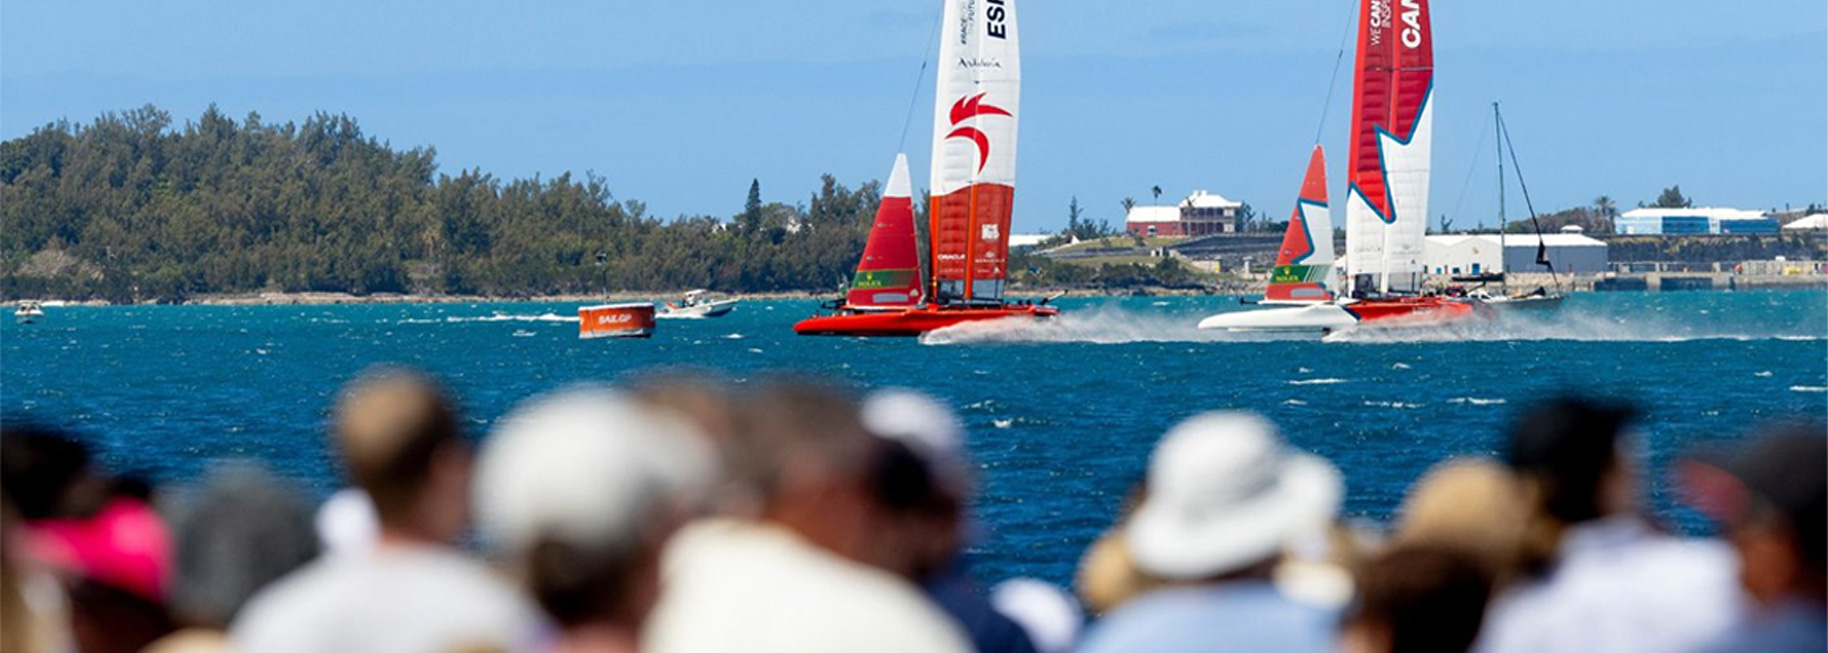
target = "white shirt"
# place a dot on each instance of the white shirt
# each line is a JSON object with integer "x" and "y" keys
{"x": 758, "y": 588}
{"x": 1620, "y": 587}
{"x": 389, "y": 600}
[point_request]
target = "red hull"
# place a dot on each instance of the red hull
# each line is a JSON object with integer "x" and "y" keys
{"x": 1416, "y": 311}
{"x": 913, "y": 321}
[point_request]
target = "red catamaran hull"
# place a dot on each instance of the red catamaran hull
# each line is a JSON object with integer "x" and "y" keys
{"x": 1416, "y": 311}
{"x": 914, "y": 321}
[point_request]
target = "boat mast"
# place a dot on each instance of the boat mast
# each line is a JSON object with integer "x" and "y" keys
{"x": 1504, "y": 266}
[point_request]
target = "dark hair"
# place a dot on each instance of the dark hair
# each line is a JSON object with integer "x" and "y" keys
{"x": 39, "y": 466}
{"x": 578, "y": 584}
{"x": 1428, "y": 599}
{"x": 1786, "y": 472}
{"x": 1565, "y": 446}
{"x": 901, "y": 481}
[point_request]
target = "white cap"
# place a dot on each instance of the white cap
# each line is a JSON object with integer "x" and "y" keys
{"x": 586, "y": 466}
{"x": 1048, "y": 614}
{"x": 1225, "y": 493}
{"x": 347, "y": 523}
{"x": 928, "y": 428}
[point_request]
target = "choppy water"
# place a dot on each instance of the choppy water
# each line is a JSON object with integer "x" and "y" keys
{"x": 1062, "y": 416}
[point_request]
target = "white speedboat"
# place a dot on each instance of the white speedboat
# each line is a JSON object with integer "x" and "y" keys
{"x": 697, "y": 304}
{"x": 28, "y": 312}
{"x": 1541, "y": 298}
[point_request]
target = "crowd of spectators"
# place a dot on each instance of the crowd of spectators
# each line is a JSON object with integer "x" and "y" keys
{"x": 685, "y": 515}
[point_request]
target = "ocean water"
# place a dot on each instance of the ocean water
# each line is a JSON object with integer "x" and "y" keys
{"x": 1062, "y": 416}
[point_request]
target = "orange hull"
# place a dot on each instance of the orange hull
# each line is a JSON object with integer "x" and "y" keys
{"x": 631, "y": 320}
{"x": 913, "y": 321}
{"x": 1416, "y": 311}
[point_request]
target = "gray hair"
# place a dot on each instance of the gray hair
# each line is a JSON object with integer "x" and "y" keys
{"x": 240, "y": 530}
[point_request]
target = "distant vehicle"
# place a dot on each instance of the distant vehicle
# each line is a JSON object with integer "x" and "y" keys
{"x": 28, "y": 312}
{"x": 698, "y": 304}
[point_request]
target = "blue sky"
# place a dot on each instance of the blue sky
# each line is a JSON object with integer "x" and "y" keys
{"x": 681, "y": 104}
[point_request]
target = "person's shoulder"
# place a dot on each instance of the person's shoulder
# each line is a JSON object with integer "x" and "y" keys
{"x": 278, "y": 615}
{"x": 1233, "y": 614}
{"x": 459, "y": 580}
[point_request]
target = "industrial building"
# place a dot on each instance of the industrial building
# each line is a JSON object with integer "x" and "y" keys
{"x": 1201, "y": 214}
{"x": 1480, "y": 254}
{"x": 1693, "y": 221}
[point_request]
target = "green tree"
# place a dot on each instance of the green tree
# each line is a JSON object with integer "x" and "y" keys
{"x": 1672, "y": 198}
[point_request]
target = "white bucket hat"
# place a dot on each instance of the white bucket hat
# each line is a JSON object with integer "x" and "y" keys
{"x": 928, "y": 428}
{"x": 1223, "y": 493}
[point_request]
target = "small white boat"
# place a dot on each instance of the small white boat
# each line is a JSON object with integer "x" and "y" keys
{"x": 697, "y": 304}
{"x": 28, "y": 312}
{"x": 1541, "y": 298}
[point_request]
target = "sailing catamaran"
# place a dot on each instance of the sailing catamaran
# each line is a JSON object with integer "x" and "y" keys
{"x": 973, "y": 181}
{"x": 1386, "y": 198}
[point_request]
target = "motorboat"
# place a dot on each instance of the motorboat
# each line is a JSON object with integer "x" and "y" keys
{"x": 28, "y": 312}
{"x": 697, "y": 304}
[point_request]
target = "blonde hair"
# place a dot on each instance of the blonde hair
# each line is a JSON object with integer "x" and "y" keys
{"x": 1471, "y": 505}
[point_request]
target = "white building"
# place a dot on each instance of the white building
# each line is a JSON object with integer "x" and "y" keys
{"x": 1817, "y": 222}
{"x": 1652, "y": 221}
{"x": 1201, "y": 214}
{"x": 1027, "y": 241}
{"x": 1479, "y": 254}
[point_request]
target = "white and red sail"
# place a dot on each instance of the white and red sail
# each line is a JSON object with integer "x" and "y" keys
{"x": 1304, "y": 265}
{"x": 974, "y": 151}
{"x": 888, "y": 276}
{"x": 1392, "y": 129}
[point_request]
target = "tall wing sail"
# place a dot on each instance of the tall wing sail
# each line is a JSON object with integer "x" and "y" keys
{"x": 1304, "y": 266}
{"x": 974, "y": 150}
{"x": 888, "y": 276}
{"x": 1392, "y": 129}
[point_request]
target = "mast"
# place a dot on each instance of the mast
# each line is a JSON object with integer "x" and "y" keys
{"x": 1504, "y": 263}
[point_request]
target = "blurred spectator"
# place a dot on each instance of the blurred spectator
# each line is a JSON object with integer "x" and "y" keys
{"x": 1601, "y": 577}
{"x": 1224, "y": 497}
{"x": 1107, "y": 574}
{"x": 101, "y": 535}
{"x": 923, "y": 483}
{"x": 1417, "y": 599}
{"x": 346, "y": 523}
{"x": 33, "y": 612}
{"x": 1048, "y": 614}
{"x": 242, "y": 530}
{"x": 581, "y": 490}
{"x": 707, "y": 402}
{"x": 399, "y": 441}
{"x": 1772, "y": 500}
{"x": 49, "y": 475}
{"x": 1469, "y": 505}
{"x": 790, "y": 581}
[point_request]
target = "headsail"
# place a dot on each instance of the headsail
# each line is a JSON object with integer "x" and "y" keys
{"x": 888, "y": 276}
{"x": 1304, "y": 265}
{"x": 974, "y": 151}
{"x": 1392, "y": 129}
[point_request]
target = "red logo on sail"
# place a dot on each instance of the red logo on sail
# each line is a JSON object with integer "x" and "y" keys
{"x": 970, "y": 107}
